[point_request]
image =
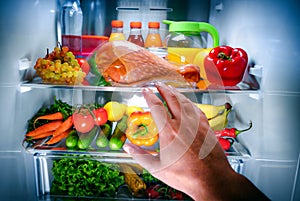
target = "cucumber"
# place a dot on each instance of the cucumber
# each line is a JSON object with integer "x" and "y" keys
{"x": 85, "y": 139}
{"x": 72, "y": 140}
{"x": 102, "y": 139}
{"x": 118, "y": 137}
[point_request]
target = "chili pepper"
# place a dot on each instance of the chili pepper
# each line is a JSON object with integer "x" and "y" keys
{"x": 225, "y": 65}
{"x": 231, "y": 132}
{"x": 141, "y": 129}
{"x": 225, "y": 143}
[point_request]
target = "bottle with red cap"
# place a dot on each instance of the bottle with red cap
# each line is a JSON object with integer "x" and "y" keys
{"x": 135, "y": 35}
{"x": 117, "y": 30}
{"x": 153, "y": 38}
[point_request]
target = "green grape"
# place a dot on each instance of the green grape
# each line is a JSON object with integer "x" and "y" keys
{"x": 59, "y": 67}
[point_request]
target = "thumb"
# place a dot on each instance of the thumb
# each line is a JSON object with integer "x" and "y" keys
{"x": 144, "y": 158}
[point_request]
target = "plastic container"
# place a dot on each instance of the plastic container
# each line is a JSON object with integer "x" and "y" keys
{"x": 116, "y": 30}
{"x": 91, "y": 42}
{"x": 50, "y": 182}
{"x": 135, "y": 35}
{"x": 71, "y": 25}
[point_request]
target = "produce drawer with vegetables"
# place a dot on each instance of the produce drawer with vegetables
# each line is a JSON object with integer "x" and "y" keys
{"x": 100, "y": 176}
{"x": 106, "y": 125}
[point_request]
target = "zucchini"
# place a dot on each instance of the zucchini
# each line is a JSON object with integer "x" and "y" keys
{"x": 118, "y": 137}
{"x": 85, "y": 139}
{"x": 72, "y": 139}
{"x": 102, "y": 139}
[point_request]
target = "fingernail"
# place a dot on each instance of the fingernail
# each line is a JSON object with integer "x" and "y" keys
{"x": 127, "y": 148}
{"x": 147, "y": 90}
{"x": 158, "y": 83}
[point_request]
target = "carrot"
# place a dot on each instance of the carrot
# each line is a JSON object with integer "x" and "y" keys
{"x": 42, "y": 135}
{"x": 54, "y": 116}
{"x": 52, "y": 126}
{"x": 59, "y": 137}
{"x": 66, "y": 125}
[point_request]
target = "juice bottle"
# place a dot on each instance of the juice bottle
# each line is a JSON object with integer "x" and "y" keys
{"x": 71, "y": 25}
{"x": 135, "y": 35}
{"x": 117, "y": 30}
{"x": 153, "y": 38}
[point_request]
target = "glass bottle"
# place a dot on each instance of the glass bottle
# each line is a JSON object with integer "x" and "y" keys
{"x": 117, "y": 30}
{"x": 135, "y": 35}
{"x": 153, "y": 38}
{"x": 71, "y": 25}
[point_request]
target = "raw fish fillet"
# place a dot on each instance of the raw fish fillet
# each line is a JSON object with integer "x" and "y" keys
{"x": 124, "y": 63}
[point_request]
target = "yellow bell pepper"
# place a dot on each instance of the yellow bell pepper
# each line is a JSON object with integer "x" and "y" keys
{"x": 141, "y": 129}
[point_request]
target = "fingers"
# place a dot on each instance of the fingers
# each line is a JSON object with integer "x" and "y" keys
{"x": 160, "y": 116}
{"x": 169, "y": 95}
{"x": 148, "y": 161}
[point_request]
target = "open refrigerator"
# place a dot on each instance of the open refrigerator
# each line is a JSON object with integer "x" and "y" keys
{"x": 268, "y": 154}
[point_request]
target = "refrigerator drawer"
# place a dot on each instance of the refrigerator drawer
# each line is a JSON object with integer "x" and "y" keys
{"x": 64, "y": 176}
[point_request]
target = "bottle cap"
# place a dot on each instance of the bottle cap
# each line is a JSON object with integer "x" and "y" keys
{"x": 153, "y": 25}
{"x": 135, "y": 24}
{"x": 117, "y": 23}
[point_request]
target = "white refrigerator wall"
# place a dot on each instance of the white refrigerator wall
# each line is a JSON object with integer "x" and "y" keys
{"x": 27, "y": 28}
{"x": 269, "y": 31}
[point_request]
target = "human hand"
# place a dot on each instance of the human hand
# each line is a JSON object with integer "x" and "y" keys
{"x": 190, "y": 158}
{"x": 185, "y": 138}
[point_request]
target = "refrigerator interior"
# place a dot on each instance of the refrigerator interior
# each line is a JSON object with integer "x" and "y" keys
{"x": 268, "y": 30}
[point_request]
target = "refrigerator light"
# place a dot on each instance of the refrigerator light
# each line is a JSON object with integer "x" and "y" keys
{"x": 255, "y": 96}
{"x": 24, "y": 89}
{"x": 256, "y": 70}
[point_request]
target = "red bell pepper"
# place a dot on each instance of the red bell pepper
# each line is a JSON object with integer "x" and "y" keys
{"x": 225, "y": 65}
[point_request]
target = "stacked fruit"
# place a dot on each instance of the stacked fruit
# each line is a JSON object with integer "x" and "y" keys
{"x": 59, "y": 67}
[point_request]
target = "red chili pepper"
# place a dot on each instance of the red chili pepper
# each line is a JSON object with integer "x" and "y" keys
{"x": 225, "y": 143}
{"x": 231, "y": 132}
{"x": 225, "y": 65}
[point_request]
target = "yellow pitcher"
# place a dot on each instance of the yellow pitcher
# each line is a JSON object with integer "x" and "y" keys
{"x": 186, "y": 45}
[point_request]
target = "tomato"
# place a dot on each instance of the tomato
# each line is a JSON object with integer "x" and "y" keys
{"x": 85, "y": 82}
{"x": 100, "y": 116}
{"x": 83, "y": 122}
{"x": 84, "y": 64}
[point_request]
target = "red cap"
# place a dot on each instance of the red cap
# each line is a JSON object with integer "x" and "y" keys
{"x": 135, "y": 24}
{"x": 117, "y": 23}
{"x": 153, "y": 25}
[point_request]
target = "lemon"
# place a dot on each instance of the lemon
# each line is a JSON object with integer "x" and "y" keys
{"x": 115, "y": 110}
{"x": 131, "y": 109}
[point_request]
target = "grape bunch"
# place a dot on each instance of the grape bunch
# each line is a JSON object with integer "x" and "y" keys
{"x": 59, "y": 67}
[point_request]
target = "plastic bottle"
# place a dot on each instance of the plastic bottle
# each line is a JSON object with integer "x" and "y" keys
{"x": 153, "y": 38}
{"x": 117, "y": 30}
{"x": 135, "y": 35}
{"x": 71, "y": 25}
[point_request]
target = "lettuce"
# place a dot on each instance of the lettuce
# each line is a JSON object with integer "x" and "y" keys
{"x": 85, "y": 177}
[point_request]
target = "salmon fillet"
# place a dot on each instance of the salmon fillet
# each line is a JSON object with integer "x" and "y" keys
{"x": 124, "y": 63}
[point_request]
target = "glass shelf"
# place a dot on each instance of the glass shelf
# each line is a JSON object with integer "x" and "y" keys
{"x": 38, "y": 83}
{"x": 237, "y": 150}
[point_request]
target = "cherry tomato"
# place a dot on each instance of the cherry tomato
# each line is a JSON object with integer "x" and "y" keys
{"x": 83, "y": 122}
{"x": 100, "y": 116}
{"x": 85, "y": 82}
{"x": 84, "y": 64}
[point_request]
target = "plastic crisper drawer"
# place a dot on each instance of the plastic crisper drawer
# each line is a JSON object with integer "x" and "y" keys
{"x": 89, "y": 176}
